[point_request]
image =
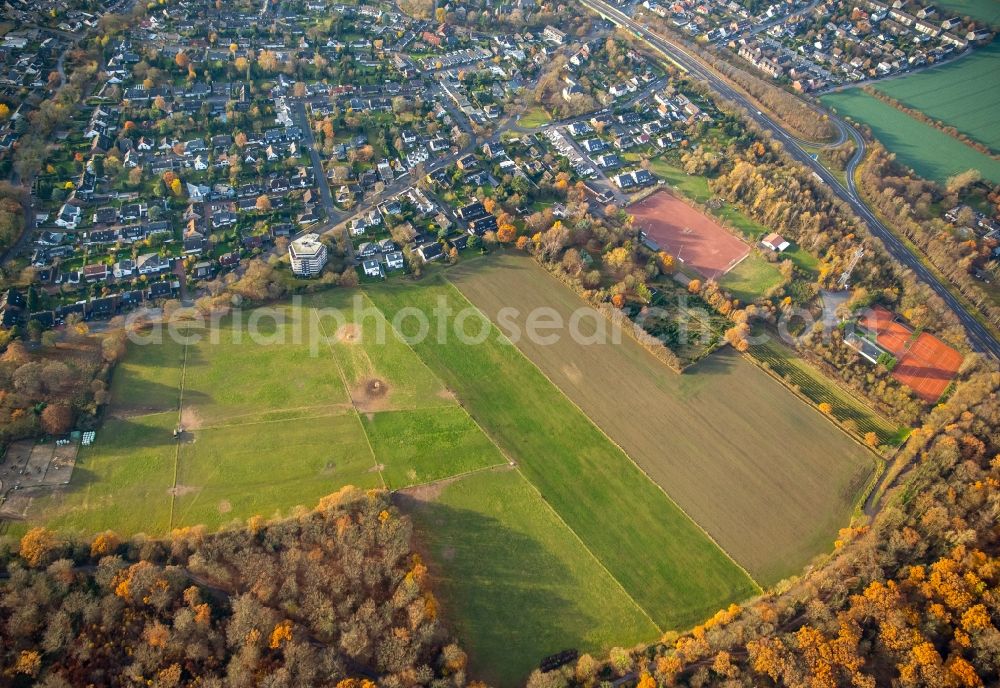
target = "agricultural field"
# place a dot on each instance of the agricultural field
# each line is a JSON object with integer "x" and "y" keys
{"x": 482, "y": 534}
{"x": 932, "y": 154}
{"x": 621, "y": 516}
{"x": 964, "y": 93}
{"x": 845, "y": 408}
{"x": 983, "y": 10}
{"x": 730, "y": 445}
{"x": 270, "y": 418}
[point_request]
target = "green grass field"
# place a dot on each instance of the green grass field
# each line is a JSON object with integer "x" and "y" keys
{"x": 534, "y": 117}
{"x": 752, "y": 277}
{"x": 520, "y": 582}
{"x": 272, "y": 420}
{"x": 428, "y": 444}
{"x": 122, "y": 483}
{"x": 646, "y": 542}
{"x": 932, "y": 154}
{"x": 964, "y": 94}
{"x": 237, "y": 471}
{"x": 734, "y": 448}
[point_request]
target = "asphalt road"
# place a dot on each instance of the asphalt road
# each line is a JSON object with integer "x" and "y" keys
{"x": 979, "y": 337}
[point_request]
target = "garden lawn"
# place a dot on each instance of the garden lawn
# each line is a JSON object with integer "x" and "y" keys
{"x": 534, "y": 117}
{"x": 515, "y": 582}
{"x": 665, "y": 562}
{"x": 932, "y": 154}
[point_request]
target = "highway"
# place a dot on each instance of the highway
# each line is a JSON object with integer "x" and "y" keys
{"x": 979, "y": 337}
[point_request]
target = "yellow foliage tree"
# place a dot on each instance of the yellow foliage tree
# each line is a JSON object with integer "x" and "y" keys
{"x": 104, "y": 543}
{"x": 28, "y": 663}
{"x": 282, "y": 633}
{"x": 36, "y": 545}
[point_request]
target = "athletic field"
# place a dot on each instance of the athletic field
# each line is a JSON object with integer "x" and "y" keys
{"x": 688, "y": 234}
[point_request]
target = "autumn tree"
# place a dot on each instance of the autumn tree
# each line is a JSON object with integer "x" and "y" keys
{"x": 57, "y": 419}
{"x": 37, "y": 546}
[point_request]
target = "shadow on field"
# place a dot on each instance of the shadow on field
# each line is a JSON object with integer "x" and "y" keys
{"x": 720, "y": 362}
{"x": 147, "y": 397}
{"x": 507, "y": 596}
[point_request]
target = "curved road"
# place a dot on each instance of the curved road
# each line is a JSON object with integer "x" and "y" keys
{"x": 979, "y": 337}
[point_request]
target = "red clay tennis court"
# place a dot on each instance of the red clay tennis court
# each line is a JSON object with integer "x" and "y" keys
{"x": 688, "y": 234}
{"x": 925, "y": 364}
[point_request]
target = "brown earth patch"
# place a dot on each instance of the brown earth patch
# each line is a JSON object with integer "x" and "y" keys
{"x": 349, "y": 333}
{"x": 370, "y": 395}
{"x": 181, "y": 490}
{"x": 572, "y": 373}
{"x": 376, "y": 468}
{"x": 190, "y": 418}
{"x": 446, "y": 393}
{"x": 225, "y": 506}
{"x": 126, "y": 412}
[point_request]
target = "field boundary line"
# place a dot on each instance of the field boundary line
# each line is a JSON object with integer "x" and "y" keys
{"x": 354, "y": 406}
{"x": 659, "y": 629}
{"x": 458, "y": 402}
{"x": 223, "y": 426}
{"x": 758, "y": 586}
{"x": 458, "y": 476}
{"x": 177, "y": 451}
{"x": 290, "y": 408}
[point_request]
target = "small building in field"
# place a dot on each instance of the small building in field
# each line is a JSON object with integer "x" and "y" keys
{"x": 775, "y": 242}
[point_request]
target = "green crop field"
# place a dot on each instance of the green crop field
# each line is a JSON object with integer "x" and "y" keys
{"x": 516, "y": 582}
{"x": 964, "y": 94}
{"x": 984, "y": 10}
{"x": 932, "y": 154}
{"x": 734, "y": 448}
{"x": 643, "y": 539}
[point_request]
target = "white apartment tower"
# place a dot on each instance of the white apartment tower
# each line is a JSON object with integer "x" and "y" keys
{"x": 308, "y": 255}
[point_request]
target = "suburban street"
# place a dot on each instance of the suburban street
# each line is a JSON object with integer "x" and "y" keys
{"x": 979, "y": 337}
